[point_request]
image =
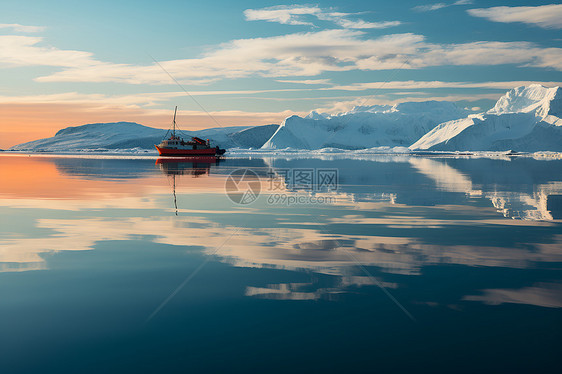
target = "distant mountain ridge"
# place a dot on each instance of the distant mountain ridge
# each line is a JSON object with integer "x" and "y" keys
{"x": 131, "y": 135}
{"x": 525, "y": 119}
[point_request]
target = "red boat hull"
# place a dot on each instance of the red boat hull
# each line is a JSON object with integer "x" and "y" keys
{"x": 188, "y": 152}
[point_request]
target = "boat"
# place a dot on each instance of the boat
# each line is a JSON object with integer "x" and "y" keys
{"x": 176, "y": 146}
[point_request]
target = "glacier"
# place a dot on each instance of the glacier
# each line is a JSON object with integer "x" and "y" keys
{"x": 525, "y": 119}
{"x": 397, "y": 125}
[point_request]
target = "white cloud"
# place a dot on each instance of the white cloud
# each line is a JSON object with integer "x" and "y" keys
{"x": 309, "y": 54}
{"x": 545, "y": 16}
{"x": 300, "y": 54}
{"x": 142, "y": 99}
{"x": 420, "y": 54}
{"x": 339, "y": 106}
{"x": 154, "y": 98}
{"x": 21, "y": 28}
{"x": 415, "y": 85}
{"x": 287, "y": 15}
{"x": 480, "y": 53}
{"x": 436, "y": 6}
{"x": 295, "y": 15}
{"x": 429, "y": 7}
{"x": 294, "y": 55}
{"x": 305, "y": 81}
{"x": 17, "y": 50}
{"x": 360, "y": 24}
{"x": 136, "y": 100}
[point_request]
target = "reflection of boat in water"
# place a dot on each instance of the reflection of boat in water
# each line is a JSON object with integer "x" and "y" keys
{"x": 194, "y": 166}
{"x": 176, "y": 146}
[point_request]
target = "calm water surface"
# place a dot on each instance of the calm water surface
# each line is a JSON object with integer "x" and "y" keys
{"x": 407, "y": 264}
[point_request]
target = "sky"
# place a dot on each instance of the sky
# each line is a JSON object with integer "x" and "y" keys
{"x": 68, "y": 63}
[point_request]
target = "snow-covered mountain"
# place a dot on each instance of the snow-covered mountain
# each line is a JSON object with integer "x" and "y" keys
{"x": 524, "y": 119}
{"x": 130, "y": 135}
{"x": 364, "y": 127}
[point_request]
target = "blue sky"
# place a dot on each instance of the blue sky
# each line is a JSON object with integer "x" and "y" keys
{"x": 258, "y": 61}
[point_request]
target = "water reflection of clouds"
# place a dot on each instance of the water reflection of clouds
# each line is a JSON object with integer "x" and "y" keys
{"x": 377, "y": 227}
{"x": 281, "y": 248}
{"x": 103, "y": 202}
{"x": 405, "y": 221}
{"x": 548, "y": 295}
{"x": 312, "y": 291}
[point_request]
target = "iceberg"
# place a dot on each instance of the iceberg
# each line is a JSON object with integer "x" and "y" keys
{"x": 525, "y": 119}
{"x": 364, "y": 126}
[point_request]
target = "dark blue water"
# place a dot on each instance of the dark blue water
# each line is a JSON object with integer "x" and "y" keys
{"x": 407, "y": 264}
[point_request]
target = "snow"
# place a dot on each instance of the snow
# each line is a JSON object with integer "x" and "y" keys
{"x": 134, "y": 138}
{"x": 315, "y": 115}
{"x": 525, "y": 119}
{"x": 534, "y": 98}
{"x": 364, "y": 127}
{"x": 95, "y": 136}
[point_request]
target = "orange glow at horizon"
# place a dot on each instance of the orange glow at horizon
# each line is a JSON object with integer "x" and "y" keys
{"x": 26, "y": 177}
{"x": 21, "y": 123}
{"x": 39, "y": 178}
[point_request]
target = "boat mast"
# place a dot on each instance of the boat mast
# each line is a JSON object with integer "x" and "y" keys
{"x": 175, "y": 201}
{"x": 174, "y": 130}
